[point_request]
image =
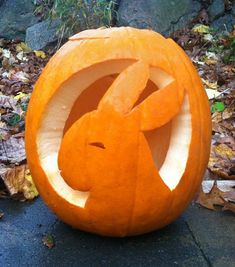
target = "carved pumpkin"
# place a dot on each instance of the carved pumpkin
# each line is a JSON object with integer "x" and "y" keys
{"x": 118, "y": 131}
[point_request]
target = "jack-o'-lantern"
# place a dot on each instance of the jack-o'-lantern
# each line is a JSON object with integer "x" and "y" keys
{"x": 118, "y": 131}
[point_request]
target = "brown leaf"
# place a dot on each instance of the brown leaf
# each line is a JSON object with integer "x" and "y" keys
{"x": 19, "y": 181}
{"x": 224, "y": 151}
{"x": 221, "y": 161}
{"x": 229, "y": 196}
{"x": 228, "y": 113}
{"x": 208, "y": 200}
{"x": 221, "y": 193}
{"x": 229, "y": 206}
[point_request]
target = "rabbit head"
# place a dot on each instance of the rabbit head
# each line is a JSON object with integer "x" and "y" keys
{"x": 93, "y": 143}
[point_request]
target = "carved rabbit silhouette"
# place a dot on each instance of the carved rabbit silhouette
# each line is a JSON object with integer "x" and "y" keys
{"x": 100, "y": 137}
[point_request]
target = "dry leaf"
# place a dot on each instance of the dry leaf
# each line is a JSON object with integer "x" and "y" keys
{"x": 229, "y": 206}
{"x": 12, "y": 150}
{"x": 210, "y": 85}
{"x": 221, "y": 161}
{"x": 19, "y": 181}
{"x": 200, "y": 28}
{"x": 212, "y": 93}
{"x": 225, "y": 186}
{"x": 228, "y": 113}
{"x": 7, "y": 102}
{"x": 210, "y": 61}
{"x": 23, "y": 47}
{"x": 221, "y": 194}
{"x": 229, "y": 196}
{"x": 20, "y": 95}
{"x": 6, "y": 53}
{"x": 224, "y": 151}
{"x": 39, "y": 53}
{"x": 208, "y": 200}
{"x": 20, "y": 76}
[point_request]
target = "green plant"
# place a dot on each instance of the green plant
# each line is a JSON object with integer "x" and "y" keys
{"x": 77, "y": 15}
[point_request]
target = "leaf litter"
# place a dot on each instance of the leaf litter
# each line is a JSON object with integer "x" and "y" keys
{"x": 19, "y": 70}
{"x": 213, "y": 54}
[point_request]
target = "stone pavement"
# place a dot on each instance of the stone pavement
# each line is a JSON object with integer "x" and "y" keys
{"x": 198, "y": 238}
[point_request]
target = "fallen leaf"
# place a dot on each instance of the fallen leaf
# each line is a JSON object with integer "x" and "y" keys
{"x": 208, "y": 37}
{"x": 7, "y": 102}
{"x": 226, "y": 186}
{"x": 39, "y": 53}
{"x": 20, "y": 76}
{"x": 48, "y": 241}
{"x": 216, "y": 117}
{"x": 19, "y": 181}
{"x": 212, "y": 93}
{"x": 229, "y": 195}
{"x": 6, "y": 53}
{"x": 12, "y": 150}
{"x": 221, "y": 161}
{"x": 20, "y": 95}
{"x": 229, "y": 206}
{"x": 20, "y": 55}
{"x": 210, "y": 85}
{"x": 13, "y": 119}
{"x": 221, "y": 194}
{"x": 209, "y": 61}
{"x": 211, "y": 55}
{"x": 1, "y": 215}
{"x": 208, "y": 200}
{"x": 8, "y": 62}
{"x": 224, "y": 151}
{"x": 217, "y": 106}
{"x": 228, "y": 113}
{"x": 23, "y": 47}
{"x": 200, "y": 28}
{"x": 4, "y": 132}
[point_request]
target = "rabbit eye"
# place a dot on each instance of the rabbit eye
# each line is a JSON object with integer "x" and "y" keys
{"x": 97, "y": 144}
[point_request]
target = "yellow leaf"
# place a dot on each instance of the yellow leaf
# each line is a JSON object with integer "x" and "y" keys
{"x": 23, "y": 47}
{"x": 19, "y": 96}
{"x": 211, "y": 85}
{"x": 39, "y": 53}
{"x": 210, "y": 61}
{"x": 30, "y": 190}
{"x": 18, "y": 180}
{"x": 224, "y": 151}
{"x": 201, "y": 28}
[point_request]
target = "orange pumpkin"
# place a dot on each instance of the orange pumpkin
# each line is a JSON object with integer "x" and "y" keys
{"x": 118, "y": 131}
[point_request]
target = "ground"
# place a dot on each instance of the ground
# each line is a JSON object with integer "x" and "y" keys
{"x": 200, "y": 237}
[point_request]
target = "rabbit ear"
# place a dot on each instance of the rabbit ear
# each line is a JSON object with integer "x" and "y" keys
{"x": 160, "y": 107}
{"x": 125, "y": 90}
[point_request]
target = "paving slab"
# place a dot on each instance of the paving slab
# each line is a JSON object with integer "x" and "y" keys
{"x": 198, "y": 238}
{"x": 214, "y": 232}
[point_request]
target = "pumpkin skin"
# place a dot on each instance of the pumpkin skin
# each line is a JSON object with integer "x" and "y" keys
{"x": 105, "y": 158}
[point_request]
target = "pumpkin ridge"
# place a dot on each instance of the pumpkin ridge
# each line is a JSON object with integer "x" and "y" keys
{"x": 131, "y": 219}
